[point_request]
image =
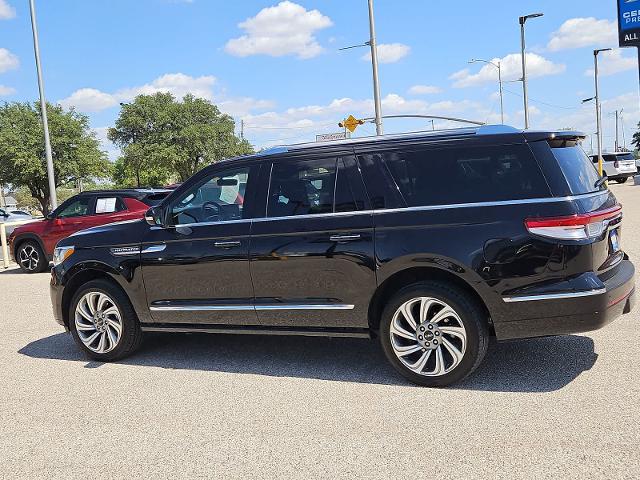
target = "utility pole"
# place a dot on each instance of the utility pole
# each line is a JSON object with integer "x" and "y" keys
{"x": 598, "y": 109}
{"x": 43, "y": 109}
{"x": 241, "y": 129}
{"x": 374, "y": 65}
{"x": 617, "y": 147}
{"x": 525, "y": 93}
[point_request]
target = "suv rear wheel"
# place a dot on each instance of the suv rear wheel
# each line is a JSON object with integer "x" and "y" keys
{"x": 31, "y": 258}
{"x": 103, "y": 322}
{"x": 622, "y": 180}
{"x": 434, "y": 334}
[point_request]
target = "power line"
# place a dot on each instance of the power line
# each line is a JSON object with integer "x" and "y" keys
{"x": 541, "y": 102}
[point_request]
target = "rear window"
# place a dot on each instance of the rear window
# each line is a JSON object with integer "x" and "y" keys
{"x": 466, "y": 175}
{"x": 626, "y": 156}
{"x": 579, "y": 171}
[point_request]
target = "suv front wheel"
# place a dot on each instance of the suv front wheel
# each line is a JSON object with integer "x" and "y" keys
{"x": 31, "y": 258}
{"x": 434, "y": 334}
{"x": 103, "y": 322}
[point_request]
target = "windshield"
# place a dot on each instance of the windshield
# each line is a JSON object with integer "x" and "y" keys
{"x": 578, "y": 169}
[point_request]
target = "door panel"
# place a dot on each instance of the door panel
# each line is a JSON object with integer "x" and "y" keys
{"x": 313, "y": 264}
{"x": 197, "y": 269}
{"x": 304, "y": 276}
{"x": 199, "y": 274}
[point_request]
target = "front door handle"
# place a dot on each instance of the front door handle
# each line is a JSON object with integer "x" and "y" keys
{"x": 344, "y": 238}
{"x": 227, "y": 244}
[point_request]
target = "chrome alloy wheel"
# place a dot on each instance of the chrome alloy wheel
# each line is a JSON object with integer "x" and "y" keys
{"x": 428, "y": 336}
{"x": 29, "y": 258}
{"x": 98, "y": 322}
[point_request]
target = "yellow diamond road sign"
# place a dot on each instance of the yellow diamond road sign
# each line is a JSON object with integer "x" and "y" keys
{"x": 352, "y": 123}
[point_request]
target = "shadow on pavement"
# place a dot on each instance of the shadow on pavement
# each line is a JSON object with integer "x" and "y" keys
{"x": 541, "y": 365}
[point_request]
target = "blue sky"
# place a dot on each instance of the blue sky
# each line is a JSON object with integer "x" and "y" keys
{"x": 277, "y": 65}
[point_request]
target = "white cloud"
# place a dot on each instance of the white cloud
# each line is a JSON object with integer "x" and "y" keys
{"x": 285, "y": 29}
{"x": 6, "y": 10}
{"x": 178, "y": 84}
{"x": 8, "y": 61}
{"x": 89, "y": 100}
{"x": 424, "y": 90}
{"x": 537, "y": 66}
{"x": 389, "y": 52}
{"x": 583, "y": 32}
{"x": 612, "y": 62}
{"x": 6, "y": 90}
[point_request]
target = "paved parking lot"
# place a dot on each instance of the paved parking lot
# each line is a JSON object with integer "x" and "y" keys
{"x": 208, "y": 406}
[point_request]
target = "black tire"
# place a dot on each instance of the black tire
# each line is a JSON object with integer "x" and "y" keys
{"x": 130, "y": 336}
{"x": 471, "y": 316}
{"x": 622, "y": 180}
{"x": 31, "y": 258}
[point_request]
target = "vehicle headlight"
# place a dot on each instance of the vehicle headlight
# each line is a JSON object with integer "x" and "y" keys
{"x": 60, "y": 254}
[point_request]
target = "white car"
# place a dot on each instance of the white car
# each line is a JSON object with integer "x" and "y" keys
{"x": 618, "y": 166}
{"x": 7, "y": 216}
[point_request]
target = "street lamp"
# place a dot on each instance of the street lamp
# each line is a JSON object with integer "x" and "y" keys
{"x": 523, "y": 20}
{"x": 499, "y": 67}
{"x": 43, "y": 109}
{"x": 598, "y": 108}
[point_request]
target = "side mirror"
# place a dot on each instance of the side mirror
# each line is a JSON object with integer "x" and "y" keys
{"x": 153, "y": 216}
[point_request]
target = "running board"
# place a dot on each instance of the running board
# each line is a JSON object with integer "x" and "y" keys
{"x": 254, "y": 330}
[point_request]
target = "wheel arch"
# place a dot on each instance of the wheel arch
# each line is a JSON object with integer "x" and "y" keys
{"x": 80, "y": 276}
{"x": 25, "y": 237}
{"x": 402, "y": 278}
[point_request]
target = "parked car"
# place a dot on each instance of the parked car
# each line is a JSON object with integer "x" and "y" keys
{"x": 618, "y": 166}
{"x": 32, "y": 245}
{"x": 8, "y": 216}
{"x": 364, "y": 238}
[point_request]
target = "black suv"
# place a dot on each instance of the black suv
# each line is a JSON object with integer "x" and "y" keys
{"x": 431, "y": 242}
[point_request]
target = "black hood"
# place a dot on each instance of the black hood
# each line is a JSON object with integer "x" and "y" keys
{"x": 112, "y": 234}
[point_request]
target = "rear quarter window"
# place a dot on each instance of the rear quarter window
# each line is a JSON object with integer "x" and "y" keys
{"x": 466, "y": 175}
{"x": 154, "y": 199}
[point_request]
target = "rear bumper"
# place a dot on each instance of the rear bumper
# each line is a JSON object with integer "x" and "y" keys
{"x": 576, "y": 312}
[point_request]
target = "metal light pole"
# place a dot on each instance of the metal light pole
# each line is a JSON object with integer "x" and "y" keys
{"x": 43, "y": 109}
{"x": 374, "y": 64}
{"x": 598, "y": 108}
{"x": 499, "y": 67}
{"x": 523, "y": 20}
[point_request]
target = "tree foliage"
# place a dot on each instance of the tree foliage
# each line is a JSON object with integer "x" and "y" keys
{"x": 75, "y": 149}
{"x": 164, "y": 140}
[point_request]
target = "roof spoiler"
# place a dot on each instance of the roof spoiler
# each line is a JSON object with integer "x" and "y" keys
{"x": 562, "y": 138}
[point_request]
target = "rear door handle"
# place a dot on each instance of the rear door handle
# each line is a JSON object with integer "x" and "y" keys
{"x": 227, "y": 244}
{"x": 344, "y": 238}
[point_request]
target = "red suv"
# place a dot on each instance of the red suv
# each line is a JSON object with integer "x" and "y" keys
{"x": 32, "y": 244}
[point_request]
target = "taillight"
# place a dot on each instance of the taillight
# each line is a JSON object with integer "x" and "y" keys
{"x": 574, "y": 227}
{"x": 616, "y": 164}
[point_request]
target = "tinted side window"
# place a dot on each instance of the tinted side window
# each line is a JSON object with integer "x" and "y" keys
{"x": 580, "y": 173}
{"x": 466, "y": 175}
{"x": 383, "y": 193}
{"x": 76, "y": 208}
{"x": 302, "y": 188}
{"x": 219, "y": 198}
{"x": 350, "y": 195}
{"x": 109, "y": 205}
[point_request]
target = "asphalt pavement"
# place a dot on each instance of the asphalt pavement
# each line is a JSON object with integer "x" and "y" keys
{"x": 225, "y": 406}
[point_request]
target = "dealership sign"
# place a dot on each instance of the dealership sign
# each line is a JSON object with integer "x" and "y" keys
{"x": 629, "y": 22}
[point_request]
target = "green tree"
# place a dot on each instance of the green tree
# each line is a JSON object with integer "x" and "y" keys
{"x": 75, "y": 149}
{"x": 163, "y": 139}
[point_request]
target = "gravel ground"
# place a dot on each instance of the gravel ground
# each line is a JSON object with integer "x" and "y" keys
{"x": 190, "y": 406}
